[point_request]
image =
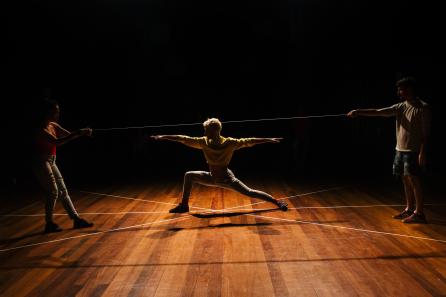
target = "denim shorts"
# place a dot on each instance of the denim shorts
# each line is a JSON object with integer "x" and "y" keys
{"x": 406, "y": 163}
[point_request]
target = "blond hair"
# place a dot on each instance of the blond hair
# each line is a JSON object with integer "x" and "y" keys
{"x": 212, "y": 123}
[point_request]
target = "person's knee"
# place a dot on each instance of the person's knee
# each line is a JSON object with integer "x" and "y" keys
{"x": 189, "y": 175}
{"x": 414, "y": 181}
{"x": 407, "y": 180}
{"x": 63, "y": 194}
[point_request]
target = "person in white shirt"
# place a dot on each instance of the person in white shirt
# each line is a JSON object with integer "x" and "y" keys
{"x": 413, "y": 121}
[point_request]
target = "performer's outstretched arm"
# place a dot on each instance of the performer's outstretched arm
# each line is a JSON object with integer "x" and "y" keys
{"x": 68, "y": 137}
{"x": 194, "y": 142}
{"x": 382, "y": 112}
{"x": 255, "y": 141}
{"x": 168, "y": 137}
{"x": 248, "y": 142}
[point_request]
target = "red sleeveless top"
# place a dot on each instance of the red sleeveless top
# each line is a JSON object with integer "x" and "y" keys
{"x": 44, "y": 147}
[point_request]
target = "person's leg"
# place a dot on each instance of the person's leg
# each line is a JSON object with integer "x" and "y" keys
{"x": 191, "y": 177}
{"x": 418, "y": 193}
{"x": 46, "y": 179}
{"x": 63, "y": 193}
{"x": 418, "y": 215}
{"x": 399, "y": 170}
{"x": 66, "y": 200}
{"x": 409, "y": 193}
{"x": 238, "y": 186}
{"x": 412, "y": 173}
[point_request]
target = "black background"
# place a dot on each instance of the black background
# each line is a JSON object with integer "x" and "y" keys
{"x": 134, "y": 63}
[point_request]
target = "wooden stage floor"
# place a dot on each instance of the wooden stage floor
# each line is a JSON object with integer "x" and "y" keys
{"x": 336, "y": 240}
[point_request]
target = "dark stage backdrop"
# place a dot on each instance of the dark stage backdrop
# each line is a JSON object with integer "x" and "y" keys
{"x": 131, "y": 63}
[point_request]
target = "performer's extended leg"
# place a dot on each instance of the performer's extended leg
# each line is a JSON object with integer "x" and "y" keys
{"x": 237, "y": 185}
{"x": 191, "y": 177}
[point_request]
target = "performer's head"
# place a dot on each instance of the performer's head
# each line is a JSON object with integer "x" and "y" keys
{"x": 406, "y": 88}
{"x": 212, "y": 127}
{"x": 49, "y": 111}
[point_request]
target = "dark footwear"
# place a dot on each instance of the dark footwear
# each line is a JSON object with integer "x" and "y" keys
{"x": 52, "y": 227}
{"x": 81, "y": 223}
{"x": 282, "y": 205}
{"x": 415, "y": 218}
{"x": 404, "y": 214}
{"x": 180, "y": 208}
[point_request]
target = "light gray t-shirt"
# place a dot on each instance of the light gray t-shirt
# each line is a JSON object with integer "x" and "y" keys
{"x": 413, "y": 121}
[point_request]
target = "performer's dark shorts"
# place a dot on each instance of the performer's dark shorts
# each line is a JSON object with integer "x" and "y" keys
{"x": 406, "y": 163}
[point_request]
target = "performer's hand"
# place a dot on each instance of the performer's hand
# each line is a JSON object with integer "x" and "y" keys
{"x": 156, "y": 137}
{"x": 89, "y": 132}
{"x": 353, "y": 113}
{"x": 86, "y": 131}
{"x": 276, "y": 140}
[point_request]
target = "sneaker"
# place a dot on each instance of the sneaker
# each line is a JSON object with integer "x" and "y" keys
{"x": 415, "y": 218}
{"x": 52, "y": 227}
{"x": 404, "y": 214}
{"x": 81, "y": 223}
{"x": 180, "y": 208}
{"x": 282, "y": 205}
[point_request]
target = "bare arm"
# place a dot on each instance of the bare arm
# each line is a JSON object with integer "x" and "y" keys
{"x": 176, "y": 138}
{"x": 58, "y": 141}
{"x": 64, "y": 132}
{"x": 383, "y": 112}
{"x": 248, "y": 142}
{"x": 62, "y": 140}
{"x": 186, "y": 140}
{"x": 255, "y": 141}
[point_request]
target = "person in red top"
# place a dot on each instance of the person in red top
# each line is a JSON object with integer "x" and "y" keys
{"x": 48, "y": 137}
